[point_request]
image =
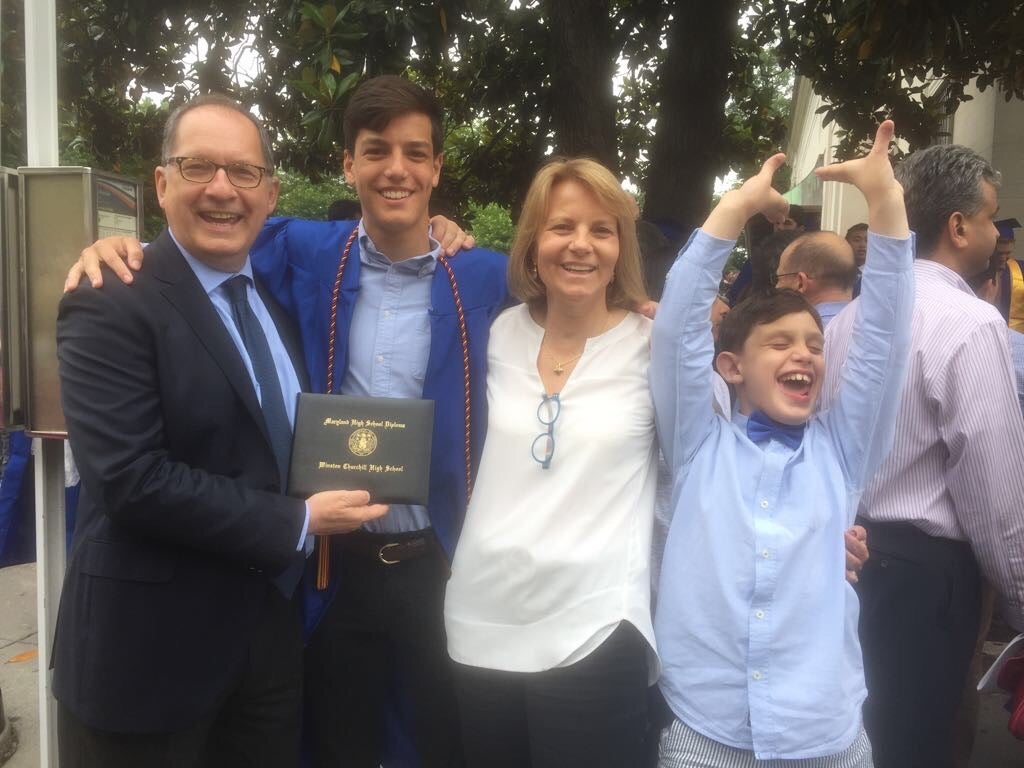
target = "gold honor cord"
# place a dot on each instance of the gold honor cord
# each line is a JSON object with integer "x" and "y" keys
{"x": 323, "y": 543}
{"x": 1016, "y": 313}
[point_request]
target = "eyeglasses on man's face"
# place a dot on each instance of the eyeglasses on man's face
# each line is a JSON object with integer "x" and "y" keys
{"x": 775, "y": 278}
{"x": 543, "y": 448}
{"x": 201, "y": 171}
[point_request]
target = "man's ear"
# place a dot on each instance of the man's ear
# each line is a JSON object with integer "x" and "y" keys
{"x": 728, "y": 366}
{"x": 955, "y": 230}
{"x": 275, "y": 191}
{"x": 346, "y": 167}
{"x": 438, "y": 162}
{"x": 160, "y": 182}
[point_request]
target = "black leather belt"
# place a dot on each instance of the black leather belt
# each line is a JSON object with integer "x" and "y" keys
{"x": 386, "y": 548}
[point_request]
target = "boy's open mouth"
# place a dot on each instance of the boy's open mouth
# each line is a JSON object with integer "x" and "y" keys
{"x": 797, "y": 385}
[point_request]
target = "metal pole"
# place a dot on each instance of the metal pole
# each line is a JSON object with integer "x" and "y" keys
{"x": 50, "y": 556}
{"x": 42, "y": 149}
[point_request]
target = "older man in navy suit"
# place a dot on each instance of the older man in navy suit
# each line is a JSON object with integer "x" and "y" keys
{"x": 178, "y": 640}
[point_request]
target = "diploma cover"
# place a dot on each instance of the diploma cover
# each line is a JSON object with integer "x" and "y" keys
{"x": 375, "y": 444}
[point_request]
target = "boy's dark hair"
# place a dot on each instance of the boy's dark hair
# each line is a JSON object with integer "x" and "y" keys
{"x": 759, "y": 309}
{"x": 379, "y": 100}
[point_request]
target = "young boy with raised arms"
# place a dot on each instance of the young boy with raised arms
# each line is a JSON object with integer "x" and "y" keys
{"x": 755, "y": 623}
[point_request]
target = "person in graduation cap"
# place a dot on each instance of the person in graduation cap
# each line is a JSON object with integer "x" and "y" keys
{"x": 1010, "y": 301}
{"x": 1010, "y": 297}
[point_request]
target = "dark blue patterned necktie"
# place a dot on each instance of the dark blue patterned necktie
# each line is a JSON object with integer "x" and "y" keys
{"x": 761, "y": 427}
{"x": 271, "y": 400}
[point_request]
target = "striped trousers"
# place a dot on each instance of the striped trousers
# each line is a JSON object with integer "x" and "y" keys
{"x": 682, "y": 747}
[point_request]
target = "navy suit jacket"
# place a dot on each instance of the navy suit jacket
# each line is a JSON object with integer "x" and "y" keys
{"x": 181, "y": 523}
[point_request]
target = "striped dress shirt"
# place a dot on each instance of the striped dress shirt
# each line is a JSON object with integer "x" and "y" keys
{"x": 1017, "y": 353}
{"x": 957, "y": 465}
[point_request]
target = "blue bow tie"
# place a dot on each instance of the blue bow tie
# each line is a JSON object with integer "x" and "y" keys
{"x": 761, "y": 428}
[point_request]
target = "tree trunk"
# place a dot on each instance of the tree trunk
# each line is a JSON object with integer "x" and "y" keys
{"x": 582, "y": 65}
{"x": 692, "y": 92}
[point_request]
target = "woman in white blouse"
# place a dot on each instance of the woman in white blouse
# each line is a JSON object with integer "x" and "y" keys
{"x": 548, "y": 607}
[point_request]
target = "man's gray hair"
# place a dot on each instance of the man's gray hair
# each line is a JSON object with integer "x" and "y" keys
{"x": 213, "y": 100}
{"x": 938, "y": 182}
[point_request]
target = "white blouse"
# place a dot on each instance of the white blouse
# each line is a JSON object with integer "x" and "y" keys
{"x": 551, "y": 560}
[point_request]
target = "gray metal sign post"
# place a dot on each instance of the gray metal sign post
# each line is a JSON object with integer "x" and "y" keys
{"x": 41, "y": 137}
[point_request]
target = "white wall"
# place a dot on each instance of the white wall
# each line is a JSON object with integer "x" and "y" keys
{"x": 1008, "y": 157}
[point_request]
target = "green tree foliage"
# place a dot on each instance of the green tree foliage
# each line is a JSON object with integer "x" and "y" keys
{"x": 305, "y": 199}
{"x": 871, "y": 59}
{"x": 492, "y": 227}
{"x": 703, "y": 87}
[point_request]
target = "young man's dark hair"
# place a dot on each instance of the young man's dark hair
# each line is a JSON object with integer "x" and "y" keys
{"x": 759, "y": 309}
{"x": 859, "y": 227}
{"x": 379, "y": 100}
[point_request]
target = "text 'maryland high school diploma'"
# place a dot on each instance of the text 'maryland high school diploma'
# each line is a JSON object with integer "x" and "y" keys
{"x": 375, "y": 444}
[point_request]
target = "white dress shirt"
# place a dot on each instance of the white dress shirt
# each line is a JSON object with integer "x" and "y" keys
{"x": 957, "y": 466}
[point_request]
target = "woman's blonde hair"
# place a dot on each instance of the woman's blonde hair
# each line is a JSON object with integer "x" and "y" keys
{"x": 627, "y": 288}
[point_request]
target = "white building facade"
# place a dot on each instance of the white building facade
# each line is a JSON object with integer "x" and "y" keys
{"x": 988, "y": 124}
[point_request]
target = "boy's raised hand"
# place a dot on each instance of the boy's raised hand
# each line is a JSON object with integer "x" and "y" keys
{"x": 756, "y": 195}
{"x": 873, "y": 176}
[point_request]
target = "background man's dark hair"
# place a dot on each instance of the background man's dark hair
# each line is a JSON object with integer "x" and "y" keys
{"x": 344, "y": 210}
{"x": 759, "y": 309}
{"x": 764, "y": 258}
{"x": 939, "y": 181}
{"x": 379, "y": 100}
{"x": 995, "y": 266}
{"x": 817, "y": 255}
{"x": 213, "y": 100}
{"x": 860, "y": 227}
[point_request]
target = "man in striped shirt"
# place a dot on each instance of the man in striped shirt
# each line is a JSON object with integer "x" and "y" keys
{"x": 950, "y": 497}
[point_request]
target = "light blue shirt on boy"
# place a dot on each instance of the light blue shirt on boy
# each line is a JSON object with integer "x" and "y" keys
{"x": 755, "y": 623}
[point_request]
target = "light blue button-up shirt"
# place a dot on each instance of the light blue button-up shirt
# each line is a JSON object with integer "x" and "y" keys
{"x": 756, "y": 624}
{"x": 829, "y": 309}
{"x": 389, "y": 344}
{"x": 212, "y": 281}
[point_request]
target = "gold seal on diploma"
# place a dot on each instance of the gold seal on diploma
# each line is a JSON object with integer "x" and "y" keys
{"x": 362, "y": 442}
